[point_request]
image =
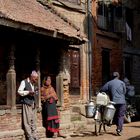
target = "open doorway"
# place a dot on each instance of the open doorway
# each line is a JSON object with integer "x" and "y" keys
{"x": 105, "y": 65}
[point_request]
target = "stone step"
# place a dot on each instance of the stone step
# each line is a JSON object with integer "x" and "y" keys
{"x": 17, "y": 134}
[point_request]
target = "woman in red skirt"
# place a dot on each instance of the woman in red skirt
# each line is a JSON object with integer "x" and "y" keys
{"x": 49, "y": 108}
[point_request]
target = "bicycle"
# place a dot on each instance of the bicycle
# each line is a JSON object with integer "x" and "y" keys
{"x": 103, "y": 116}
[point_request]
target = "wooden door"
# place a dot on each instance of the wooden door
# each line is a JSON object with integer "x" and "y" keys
{"x": 74, "y": 68}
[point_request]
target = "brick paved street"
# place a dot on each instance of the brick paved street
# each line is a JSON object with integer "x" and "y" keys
{"x": 131, "y": 132}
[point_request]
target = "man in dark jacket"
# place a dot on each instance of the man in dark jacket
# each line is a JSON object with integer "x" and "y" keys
{"x": 117, "y": 90}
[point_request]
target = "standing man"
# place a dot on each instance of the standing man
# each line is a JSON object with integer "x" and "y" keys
{"x": 27, "y": 92}
{"x": 117, "y": 90}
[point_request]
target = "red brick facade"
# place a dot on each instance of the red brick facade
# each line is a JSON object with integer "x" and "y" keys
{"x": 108, "y": 41}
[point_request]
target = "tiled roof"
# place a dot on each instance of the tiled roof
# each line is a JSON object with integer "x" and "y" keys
{"x": 33, "y": 13}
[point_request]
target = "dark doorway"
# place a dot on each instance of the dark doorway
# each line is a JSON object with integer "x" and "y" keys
{"x": 105, "y": 65}
{"x": 3, "y": 71}
{"x": 50, "y": 61}
{"x": 127, "y": 67}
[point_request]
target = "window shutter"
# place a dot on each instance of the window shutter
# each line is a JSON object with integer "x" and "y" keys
{"x": 119, "y": 23}
{"x": 102, "y": 21}
{"x": 102, "y": 16}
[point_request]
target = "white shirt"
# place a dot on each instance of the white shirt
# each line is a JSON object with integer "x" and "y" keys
{"x": 21, "y": 88}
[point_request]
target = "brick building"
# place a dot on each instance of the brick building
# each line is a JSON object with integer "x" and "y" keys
{"x": 131, "y": 49}
{"x": 61, "y": 25}
{"x": 74, "y": 12}
{"x": 116, "y": 42}
{"x": 131, "y": 43}
{"x": 107, "y": 47}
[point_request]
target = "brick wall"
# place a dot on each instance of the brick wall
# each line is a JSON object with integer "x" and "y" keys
{"x": 79, "y": 19}
{"x": 106, "y": 40}
{"x": 11, "y": 128}
{"x": 115, "y": 59}
{"x": 11, "y": 125}
{"x": 7, "y": 118}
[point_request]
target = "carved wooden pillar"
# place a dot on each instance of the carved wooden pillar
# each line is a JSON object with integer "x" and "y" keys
{"x": 66, "y": 78}
{"x": 11, "y": 79}
{"x": 38, "y": 100}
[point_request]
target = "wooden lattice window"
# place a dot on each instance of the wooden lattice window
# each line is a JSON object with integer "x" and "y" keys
{"x": 74, "y": 68}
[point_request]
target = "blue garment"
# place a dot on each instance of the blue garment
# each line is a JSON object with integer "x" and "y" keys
{"x": 119, "y": 116}
{"x": 116, "y": 89}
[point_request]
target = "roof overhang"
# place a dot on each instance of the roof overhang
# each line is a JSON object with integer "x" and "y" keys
{"x": 32, "y": 16}
{"x": 31, "y": 28}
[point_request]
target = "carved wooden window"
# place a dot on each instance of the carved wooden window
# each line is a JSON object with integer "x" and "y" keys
{"x": 74, "y": 68}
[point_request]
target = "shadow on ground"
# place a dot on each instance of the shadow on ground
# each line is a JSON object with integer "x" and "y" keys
{"x": 82, "y": 134}
{"x": 135, "y": 138}
{"x": 89, "y": 133}
{"x": 134, "y": 126}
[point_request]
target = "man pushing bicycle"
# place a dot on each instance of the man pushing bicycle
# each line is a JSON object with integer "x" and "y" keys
{"x": 117, "y": 90}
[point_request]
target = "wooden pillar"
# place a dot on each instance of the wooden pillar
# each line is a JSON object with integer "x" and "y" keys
{"x": 38, "y": 99}
{"x": 11, "y": 79}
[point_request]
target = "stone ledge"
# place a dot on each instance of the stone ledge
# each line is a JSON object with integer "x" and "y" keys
{"x": 11, "y": 133}
{"x": 10, "y": 111}
{"x": 20, "y": 133}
